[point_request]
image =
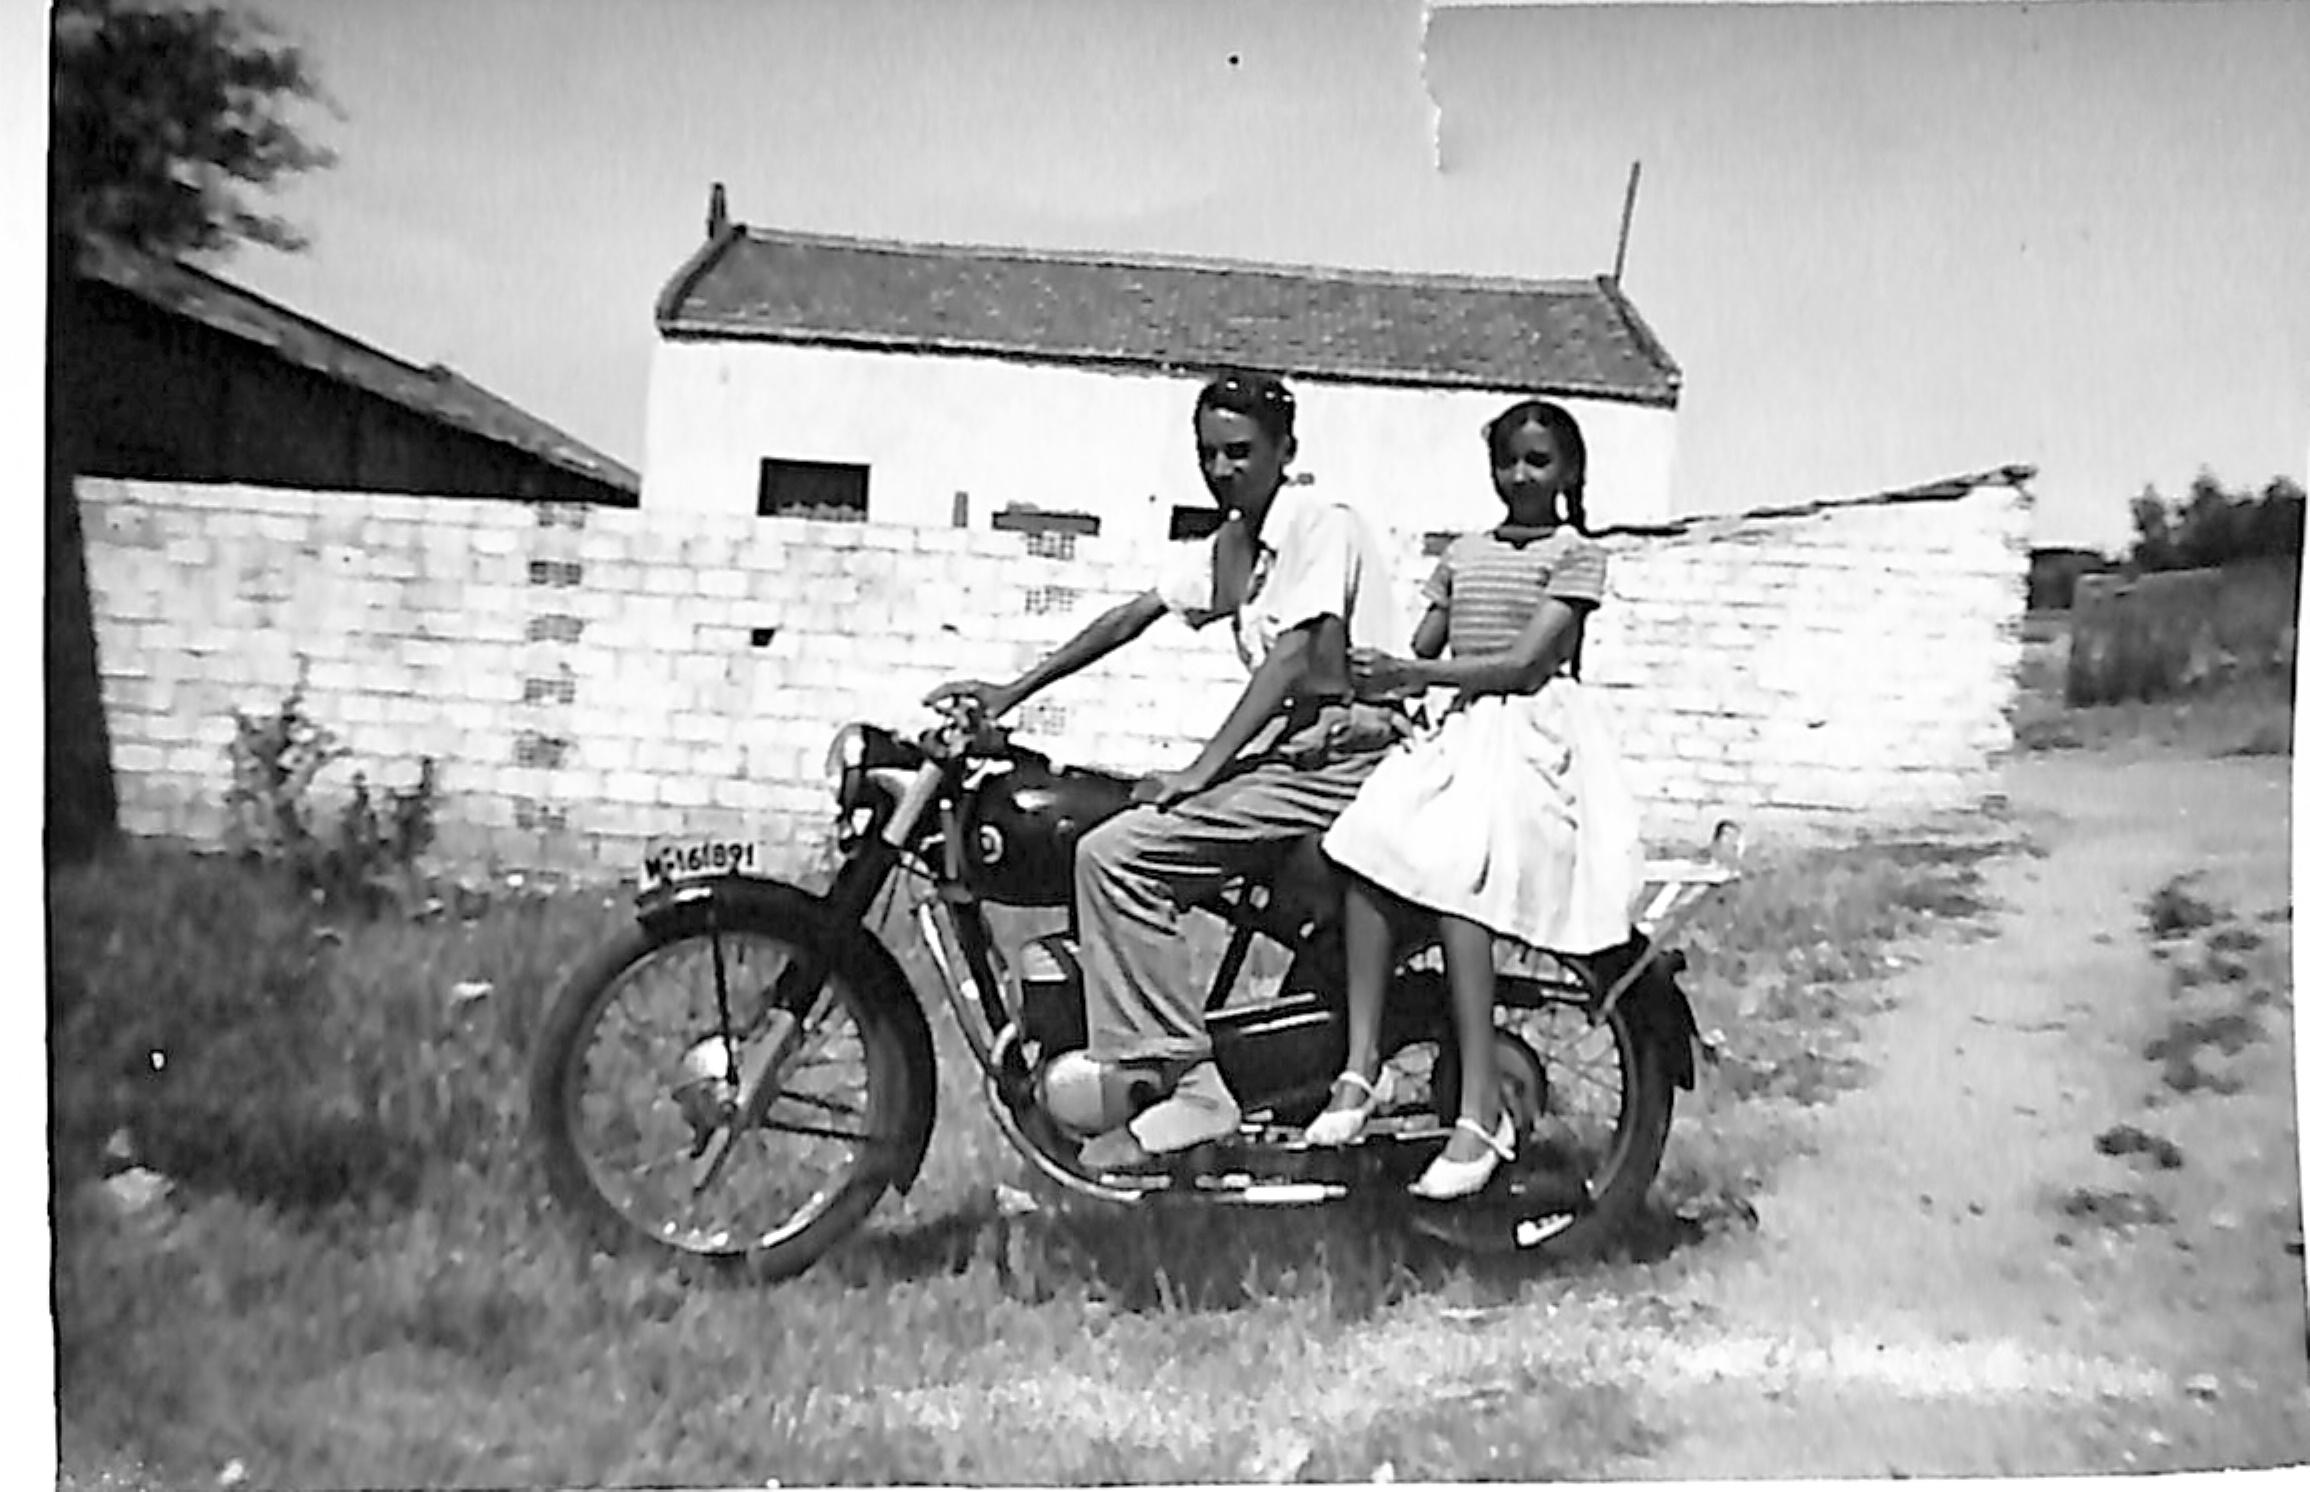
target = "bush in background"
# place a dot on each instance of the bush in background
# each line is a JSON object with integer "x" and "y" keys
{"x": 2214, "y": 526}
{"x": 2151, "y": 636}
{"x": 369, "y": 860}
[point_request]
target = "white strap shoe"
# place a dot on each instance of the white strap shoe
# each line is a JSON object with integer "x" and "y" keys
{"x": 1335, "y": 1127}
{"x": 1447, "y": 1180}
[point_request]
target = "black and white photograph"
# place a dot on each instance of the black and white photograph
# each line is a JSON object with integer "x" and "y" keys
{"x": 1086, "y": 742}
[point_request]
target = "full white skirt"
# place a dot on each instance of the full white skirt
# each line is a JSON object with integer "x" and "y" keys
{"x": 1515, "y": 813}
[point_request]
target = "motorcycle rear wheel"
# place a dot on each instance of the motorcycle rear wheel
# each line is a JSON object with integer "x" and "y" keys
{"x": 625, "y": 1047}
{"x": 1604, "y": 1149}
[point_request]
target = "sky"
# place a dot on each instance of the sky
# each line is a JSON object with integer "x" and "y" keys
{"x": 1885, "y": 242}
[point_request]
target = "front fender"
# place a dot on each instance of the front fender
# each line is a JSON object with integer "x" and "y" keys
{"x": 741, "y": 903}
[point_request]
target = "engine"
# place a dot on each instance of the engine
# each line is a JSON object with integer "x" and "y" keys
{"x": 1085, "y": 1096}
{"x": 1089, "y": 1097}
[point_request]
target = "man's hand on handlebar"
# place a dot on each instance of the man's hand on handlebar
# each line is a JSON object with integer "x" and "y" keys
{"x": 993, "y": 700}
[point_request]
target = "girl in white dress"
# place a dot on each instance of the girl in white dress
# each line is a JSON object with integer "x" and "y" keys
{"x": 1512, "y": 818}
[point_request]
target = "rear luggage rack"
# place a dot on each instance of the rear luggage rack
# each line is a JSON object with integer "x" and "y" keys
{"x": 1674, "y": 891}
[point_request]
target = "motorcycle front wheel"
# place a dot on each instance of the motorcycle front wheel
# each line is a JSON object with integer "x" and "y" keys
{"x": 640, "y": 1070}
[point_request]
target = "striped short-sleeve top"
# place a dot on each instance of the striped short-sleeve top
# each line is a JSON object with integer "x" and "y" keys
{"x": 1492, "y": 582}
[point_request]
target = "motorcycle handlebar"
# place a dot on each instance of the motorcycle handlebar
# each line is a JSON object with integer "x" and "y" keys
{"x": 964, "y": 727}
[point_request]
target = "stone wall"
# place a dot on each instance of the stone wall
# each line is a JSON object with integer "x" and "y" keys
{"x": 585, "y": 677}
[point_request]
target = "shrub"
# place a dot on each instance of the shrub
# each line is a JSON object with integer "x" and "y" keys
{"x": 369, "y": 862}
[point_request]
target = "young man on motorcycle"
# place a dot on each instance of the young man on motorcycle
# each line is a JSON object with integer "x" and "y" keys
{"x": 1302, "y": 578}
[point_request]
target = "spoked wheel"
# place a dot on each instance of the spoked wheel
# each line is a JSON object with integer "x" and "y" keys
{"x": 642, "y": 1073}
{"x": 1592, "y": 1105}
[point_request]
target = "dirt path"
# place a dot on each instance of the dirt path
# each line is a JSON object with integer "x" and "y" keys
{"x": 1918, "y": 1302}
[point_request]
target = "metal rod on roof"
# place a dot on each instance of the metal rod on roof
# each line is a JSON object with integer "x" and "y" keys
{"x": 1627, "y": 215}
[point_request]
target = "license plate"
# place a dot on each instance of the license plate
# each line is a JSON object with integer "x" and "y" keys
{"x": 670, "y": 862}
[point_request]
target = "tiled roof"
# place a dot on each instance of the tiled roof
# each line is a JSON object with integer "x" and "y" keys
{"x": 1565, "y": 337}
{"x": 435, "y": 391}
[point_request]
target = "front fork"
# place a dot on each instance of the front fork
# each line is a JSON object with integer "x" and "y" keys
{"x": 800, "y": 998}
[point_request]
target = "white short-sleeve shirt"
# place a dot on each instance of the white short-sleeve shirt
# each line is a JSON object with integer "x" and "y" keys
{"x": 1318, "y": 556}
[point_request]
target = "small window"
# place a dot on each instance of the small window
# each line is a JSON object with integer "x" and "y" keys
{"x": 812, "y": 489}
{"x": 1194, "y": 523}
{"x": 1024, "y": 518}
{"x": 1048, "y": 534}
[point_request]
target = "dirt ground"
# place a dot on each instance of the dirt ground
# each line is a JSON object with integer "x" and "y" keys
{"x": 1918, "y": 1300}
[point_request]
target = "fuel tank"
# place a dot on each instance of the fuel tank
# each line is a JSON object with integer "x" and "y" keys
{"x": 1020, "y": 827}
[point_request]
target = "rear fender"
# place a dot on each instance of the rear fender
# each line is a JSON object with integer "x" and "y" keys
{"x": 737, "y": 903}
{"x": 1657, "y": 1009}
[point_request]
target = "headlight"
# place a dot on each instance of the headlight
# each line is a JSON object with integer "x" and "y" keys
{"x": 848, "y": 751}
{"x": 870, "y": 768}
{"x": 846, "y": 765}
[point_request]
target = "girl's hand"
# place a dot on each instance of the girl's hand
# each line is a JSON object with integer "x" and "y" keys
{"x": 995, "y": 700}
{"x": 1378, "y": 673}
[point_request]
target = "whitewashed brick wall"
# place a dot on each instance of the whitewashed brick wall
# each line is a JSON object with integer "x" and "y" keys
{"x": 584, "y": 677}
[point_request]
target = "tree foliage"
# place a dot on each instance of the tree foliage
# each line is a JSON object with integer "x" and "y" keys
{"x": 165, "y": 117}
{"x": 2214, "y": 526}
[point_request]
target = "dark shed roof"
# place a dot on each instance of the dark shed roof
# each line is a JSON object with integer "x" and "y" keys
{"x": 436, "y": 392}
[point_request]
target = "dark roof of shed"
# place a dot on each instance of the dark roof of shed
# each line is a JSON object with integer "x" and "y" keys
{"x": 1572, "y": 338}
{"x": 436, "y": 392}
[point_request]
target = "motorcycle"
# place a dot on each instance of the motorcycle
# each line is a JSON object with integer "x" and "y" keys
{"x": 743, "y": 1071}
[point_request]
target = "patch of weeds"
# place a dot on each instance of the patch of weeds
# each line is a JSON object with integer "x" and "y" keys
{"x": 2125, "y": 1139}
{"x": 2173, "y": 910}
{"x": 2225, "y": 968}
{"x": 2232, "y": 1031}
{"x": 1807, "y": 1076}
{"x": 2184, "y": 1072}
{"x": 2101, "y": 1208}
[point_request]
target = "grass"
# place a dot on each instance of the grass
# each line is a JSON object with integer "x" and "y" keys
{"x": 2252, "y": 716}
{"x": 355, "y": 1281}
